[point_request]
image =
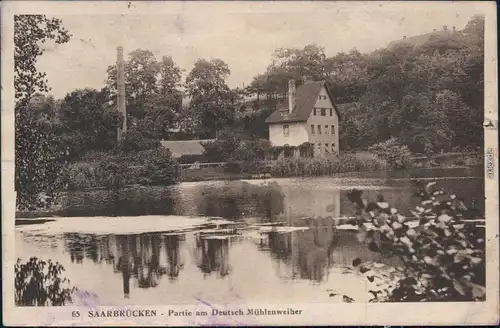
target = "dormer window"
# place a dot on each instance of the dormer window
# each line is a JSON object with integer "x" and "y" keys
{"x": 284, "y": 113}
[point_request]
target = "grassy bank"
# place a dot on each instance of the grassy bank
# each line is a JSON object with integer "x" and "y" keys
{"x": 304, "y": 167}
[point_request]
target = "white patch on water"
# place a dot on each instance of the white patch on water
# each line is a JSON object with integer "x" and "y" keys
{"x": 120, "y": 225}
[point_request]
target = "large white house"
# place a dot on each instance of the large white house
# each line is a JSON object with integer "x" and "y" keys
{"x": 310, "y": 115}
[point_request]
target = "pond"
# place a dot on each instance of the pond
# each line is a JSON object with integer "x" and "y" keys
{"x": 149, "y": 247}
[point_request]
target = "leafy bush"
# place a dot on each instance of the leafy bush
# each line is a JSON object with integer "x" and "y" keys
{"x": 320, "y": 166}
{"x": 232, "y": 145}
{"x": 306, "y": 149}
{"x": 251, "y": 150}
{"x": 80, "y": 176}
{"x": 39, "y": 283}
{"x": 161, "y": 169}
{"x": 112, "y": 173}
{"x": 396, "y": 155}
{"x": 443, "y": 256}
{"x": 135, "y": 140}
{"x": 232, "y": 167}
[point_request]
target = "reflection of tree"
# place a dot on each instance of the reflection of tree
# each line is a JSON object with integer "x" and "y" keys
{"x": 125, "y": 264}
{"x": 75, "y": 245}
{"x": 237, "y": 199}
{"x": 133, "y": 256}
{"x": 212, "y": 255}
{"x": 280, "y": 245}
{"x": 307, "y": 253}
{"x": 174, "y": 263}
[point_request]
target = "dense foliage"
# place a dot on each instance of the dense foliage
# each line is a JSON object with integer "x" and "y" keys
{"x": 233, "y": 145}
{"x": 39, "y": 155}
{"x": 152, "y": 89}
{"x": 39, "y": 283}
{"x": 135, "y": 140}
{"x": 396, "y": 155}
{"x": 443, "y": 255}
{"x": 161, "y": 169}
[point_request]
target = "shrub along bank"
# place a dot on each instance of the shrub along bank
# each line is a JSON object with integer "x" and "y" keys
{"x": 359, "y": 162}
{"x": 115, "y": 170}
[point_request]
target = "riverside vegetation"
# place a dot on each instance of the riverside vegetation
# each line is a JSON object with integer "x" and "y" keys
{"x": 443, "y": 257}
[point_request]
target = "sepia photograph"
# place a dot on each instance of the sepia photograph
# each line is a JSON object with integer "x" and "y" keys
{"x": 220, "y": 155}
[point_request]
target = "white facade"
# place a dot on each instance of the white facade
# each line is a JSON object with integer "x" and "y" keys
{"x": 323, "y": 126}
{"x": 297, "y": 134}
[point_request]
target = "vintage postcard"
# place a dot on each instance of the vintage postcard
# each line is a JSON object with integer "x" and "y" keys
{"x": 249, "y": 163}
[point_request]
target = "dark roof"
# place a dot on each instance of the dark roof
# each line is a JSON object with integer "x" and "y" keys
{"x": 184, "y": 147}
{"x": 305, "y": 99}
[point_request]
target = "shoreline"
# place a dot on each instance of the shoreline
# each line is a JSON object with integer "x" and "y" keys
{"x": 35, "y": 216}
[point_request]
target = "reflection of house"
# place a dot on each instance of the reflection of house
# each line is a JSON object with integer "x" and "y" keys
{"x": 311, "y": 116}
{"x": 312, "y": 201}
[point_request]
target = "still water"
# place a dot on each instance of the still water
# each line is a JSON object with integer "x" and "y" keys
{"x": 119, "y": 266}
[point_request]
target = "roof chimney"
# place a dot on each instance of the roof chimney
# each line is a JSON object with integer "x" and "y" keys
{"x": 404, "y": 36}
{"x": 434, "y": 30}
{"x": 121, "y": 90}
{"x": 445, "y": 28}
{"x": 454, "y": 28}
{"x": 291, "y": 95}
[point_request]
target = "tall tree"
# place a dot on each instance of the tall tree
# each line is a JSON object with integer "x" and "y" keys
{"x": 87, "y": 122}
{"x": 211, "y": 100}
{"x": 152, "y": 92}
{"x": 38, "y": 155}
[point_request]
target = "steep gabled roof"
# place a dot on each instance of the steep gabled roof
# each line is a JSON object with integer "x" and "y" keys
{"x": 305, "y": 99}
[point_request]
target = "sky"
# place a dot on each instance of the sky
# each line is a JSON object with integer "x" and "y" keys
{"x": 243, "y": 35}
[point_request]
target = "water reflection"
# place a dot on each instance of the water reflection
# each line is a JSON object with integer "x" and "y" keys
{"x": 165, "y": 264}
{"x": 305, "y": 254}
{"x": 237, "y": 199}
{"x": 212, "y": 255}
{"x": 144, "y": 258}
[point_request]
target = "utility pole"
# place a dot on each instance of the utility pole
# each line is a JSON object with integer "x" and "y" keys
{"x": 120, "y": 69}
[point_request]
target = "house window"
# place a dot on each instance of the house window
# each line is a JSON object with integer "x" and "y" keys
{"x": 286, "y": 130}
{"x": 314, "y": 111}
{"x": 331, "y": 111}
{"x": 333, "y": 129}
{"x": 319, "y": 129}
{"x": 326, "y": 148}
{"x": 333, "y": 148}
{"x": 312, "y": 128}
{"x": 326, "y": 129}
{"x": 323, "y": 111}
{"x": 319, "y": 148}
